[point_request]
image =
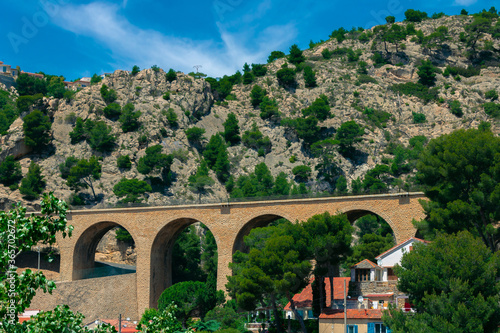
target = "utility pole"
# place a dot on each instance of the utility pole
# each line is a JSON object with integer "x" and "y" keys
{"x": 345, "y": 309}
{"x": 197, "y": 67}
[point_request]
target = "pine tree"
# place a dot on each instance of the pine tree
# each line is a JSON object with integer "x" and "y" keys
{"x": 296, "y": 56}
{"x": 10, "y": 171}
{"x": 222, "y": 165}
{"x": 309, "y": 77}
{"x": 32, "y": 184}
{"x": 232, "y": 129}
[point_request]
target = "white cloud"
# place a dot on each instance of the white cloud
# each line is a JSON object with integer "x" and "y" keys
{"x": 131, "y": 45}
{"x": 465, "y": 2}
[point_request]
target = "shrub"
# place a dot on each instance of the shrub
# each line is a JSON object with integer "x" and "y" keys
{"x": 256, "y": 140}
{"x": 319, "y": 108}
{"x": 492, "y": 109}
{"x": 326, "y": 53}
{"x": 172, "y": 118}
{"x": 123, "y": 161}
{"x": 166, "y": 96}
{"x": 195, "y": 134}
{"x": 108, "y": 95}
{"x": 412, "y": 15}
{"x": 32, "y": 184}
{"x": 465, "y": 72}
{"x": 275, "y": 55}
{"x": 10, "y": 171}
{"x": 377, "y": 117}
{"x": 301, "y": 173}
{"x": 129, "y": 119}
{"x": 309, "y": 77}
{"x": 259, "y": 70}
{"x": 418, "y": 118}
{"x": 456, "y": 108}
{"x": 378, "y": 59}
{"x": 416, "y": 89}
{"x": 131, "y": 189}
{"x": 268, "y": 108}
{"x": 112, "y": 111}
{"x": 155, "y": 68}
{"x": 122, "y": 235}
{"x": 257, "y": 95}
{"x": 286, "y": 77}
{"x": 171, "y": 75}
{"x": 491, "y": 94}
{"x": 363, "y": 78}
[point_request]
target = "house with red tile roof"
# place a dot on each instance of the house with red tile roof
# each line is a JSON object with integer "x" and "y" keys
{"x": 356, "y": 320}
{"x": 303, "y": 301}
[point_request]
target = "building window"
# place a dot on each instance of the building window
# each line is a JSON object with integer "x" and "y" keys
{"x": 352, "y": 328}
{"x": 362, "y": 275}
{"x": 377, "y": 328}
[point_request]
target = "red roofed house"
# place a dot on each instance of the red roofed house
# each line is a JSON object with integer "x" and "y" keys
{"x": 358, "y": 321}
{"x": 303, "y": 301}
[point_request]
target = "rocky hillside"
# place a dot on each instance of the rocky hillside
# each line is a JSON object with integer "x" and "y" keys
{"x": 360, "y": 74}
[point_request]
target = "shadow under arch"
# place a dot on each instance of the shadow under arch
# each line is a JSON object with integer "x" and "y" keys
{"x": 355, "y": 213}
{"x": 256, "y": 222}
{"x": 161, "y": 256}
{"x": 85, "y": 247}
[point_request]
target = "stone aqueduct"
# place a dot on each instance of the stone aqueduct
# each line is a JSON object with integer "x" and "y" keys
{"x": 154, "y": 230}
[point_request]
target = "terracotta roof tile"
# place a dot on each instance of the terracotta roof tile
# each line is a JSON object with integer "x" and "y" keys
{"x": 304, "y": 299}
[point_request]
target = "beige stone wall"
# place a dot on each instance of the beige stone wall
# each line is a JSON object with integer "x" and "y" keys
{"x": 337, "y": 325}
{"x": 103, "y": 298}
{"x": 154, "y": 230}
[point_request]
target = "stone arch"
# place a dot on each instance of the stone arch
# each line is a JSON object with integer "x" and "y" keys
{"x": 357, "y": 211}
{"x": 257, "y": 220}
{"x": 161, "y": 256}
{"x": 86, "y": 245}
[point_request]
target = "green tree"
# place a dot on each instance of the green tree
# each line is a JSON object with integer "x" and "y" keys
{"x": 135, "y": 70}
{"x": 112, "y": 111}
{"x": 259, "y": 70}
{"x": 412, "y": 15}
{"x": 376, "y": 179}
{"x": 459, "y": 172}
{"x": 390, "y": 19}
{"x": 427, "y": 73}
{"x": 163, "y": 321}
{"x": 281, "y": 185}
{"x": 268, "y": 108}
{"x": 83, "y": 174}
{"x": 186, "y": 296}
{"x": 232, "y": 130}
{"x": 275, "y": 55}
{"x": 10, "y": 171}
{"x": 123, "y": 162}
{"x": 256, "y": 140}
{"x": 195, "y": 135}
{"x": 99, "y": 136}
{"x": 341, "y": 185}
{"x": 347, "y": 135}
{"x": 131, "y": 189}
{"x": 172, "y": 118}
{"x": 307, "y": 129}
{"x": 78, "y": 133}
{"x": 286, "y": 77}
{"x": 95, "y": 79}
{"x": 476, "y": 29}
{"x": 452, "y": 283}
{"x": 212, "y": 149}
{"x": 28, "y": 231}
{"x": 32, "y": 184}
{"x": 29, "y": 85}
{"x": 200, "y": 182}
{"x": 222, "y": 165}
{"x": 301, "y": 173}
{"x": 257, "y": 95}
{"x": 369, "y": 247}
{"x": 309, "y": 77}
{"x": 296, "y": 57}
{"x": 56, "y": 87}
{"x": 108, "y": 95}
{"x": 319, "y": 108}
{"x": 171, "y": 75}
{"x": 65, "y": 167}
{"x": 327, "y": 168}
{"x": 37, "y": 128}
{"x": 130, "y": 119}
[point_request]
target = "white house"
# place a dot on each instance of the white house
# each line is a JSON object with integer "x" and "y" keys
{"x": 393, "y": 256}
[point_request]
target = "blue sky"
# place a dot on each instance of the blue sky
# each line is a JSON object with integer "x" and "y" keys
{"x": 77, "y": 38}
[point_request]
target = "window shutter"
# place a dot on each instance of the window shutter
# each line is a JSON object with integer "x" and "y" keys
{"x": 355, "y": 328}
{"x": 371, "y": 328}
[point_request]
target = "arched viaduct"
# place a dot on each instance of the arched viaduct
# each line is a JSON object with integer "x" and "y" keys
{"x": 154, "y": 230}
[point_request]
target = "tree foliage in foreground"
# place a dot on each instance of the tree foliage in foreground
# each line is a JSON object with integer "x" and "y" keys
{"x": 21, "y": 232}
{"x": 452, "y": 283}
{"x": 461, "y": 177}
